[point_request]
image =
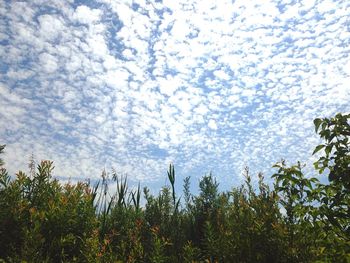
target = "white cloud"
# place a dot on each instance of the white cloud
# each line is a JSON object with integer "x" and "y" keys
{"x": 48, "y": 62}
{"x": 97, "y": 45}
{"x": 347, "y": 68}
{"x": 50, "y": 27}
{"x": 203, "y": 81}
{"x": 117, "y": 78}
{"x": 86, "y": 15}
{"x": 169, "y": 85}
{"x": 59, "y": 116}
{"x": 221, "y": 74}
{"x": 212, "y": 124}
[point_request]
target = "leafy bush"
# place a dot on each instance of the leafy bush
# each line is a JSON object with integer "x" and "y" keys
{"x": 42, "y": 220}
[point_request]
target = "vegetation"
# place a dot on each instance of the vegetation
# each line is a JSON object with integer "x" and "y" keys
{"x": 298, "y": 219}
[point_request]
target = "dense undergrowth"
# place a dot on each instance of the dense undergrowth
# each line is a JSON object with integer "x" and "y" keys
{"x": 298, "y": 219}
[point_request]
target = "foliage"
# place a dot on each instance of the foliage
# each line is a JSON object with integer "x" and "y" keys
{"x": 297, "y": 219}
{"x": 334, "y": 197}
{"x": 41, "y": 219}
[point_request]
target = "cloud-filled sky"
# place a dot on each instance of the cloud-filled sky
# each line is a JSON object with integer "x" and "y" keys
{"x": 208, "y": 85}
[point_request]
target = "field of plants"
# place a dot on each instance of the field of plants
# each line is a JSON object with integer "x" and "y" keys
{"x": 295, "y": 219}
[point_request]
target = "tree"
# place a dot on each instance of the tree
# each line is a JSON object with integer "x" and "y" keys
{"x": 335, "y": 197}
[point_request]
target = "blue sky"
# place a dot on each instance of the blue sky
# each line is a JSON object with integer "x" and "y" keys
{"x": 134, "y": 85}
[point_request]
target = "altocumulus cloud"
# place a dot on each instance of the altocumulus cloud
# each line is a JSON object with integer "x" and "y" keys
{"x": 207, "y": 85}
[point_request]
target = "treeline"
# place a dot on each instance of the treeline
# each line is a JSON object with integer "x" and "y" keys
{"x": 298, "y": 219}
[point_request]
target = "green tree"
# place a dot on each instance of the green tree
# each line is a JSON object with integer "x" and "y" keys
{"x": 334, "y": 197}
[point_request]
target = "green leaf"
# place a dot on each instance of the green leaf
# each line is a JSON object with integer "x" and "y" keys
{"x": 318, "y": 148}
{"x": 317, "y": 123}
{"x": 328, "y": 149}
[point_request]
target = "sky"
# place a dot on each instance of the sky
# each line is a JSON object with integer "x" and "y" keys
{"x": 210, "y": 86}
